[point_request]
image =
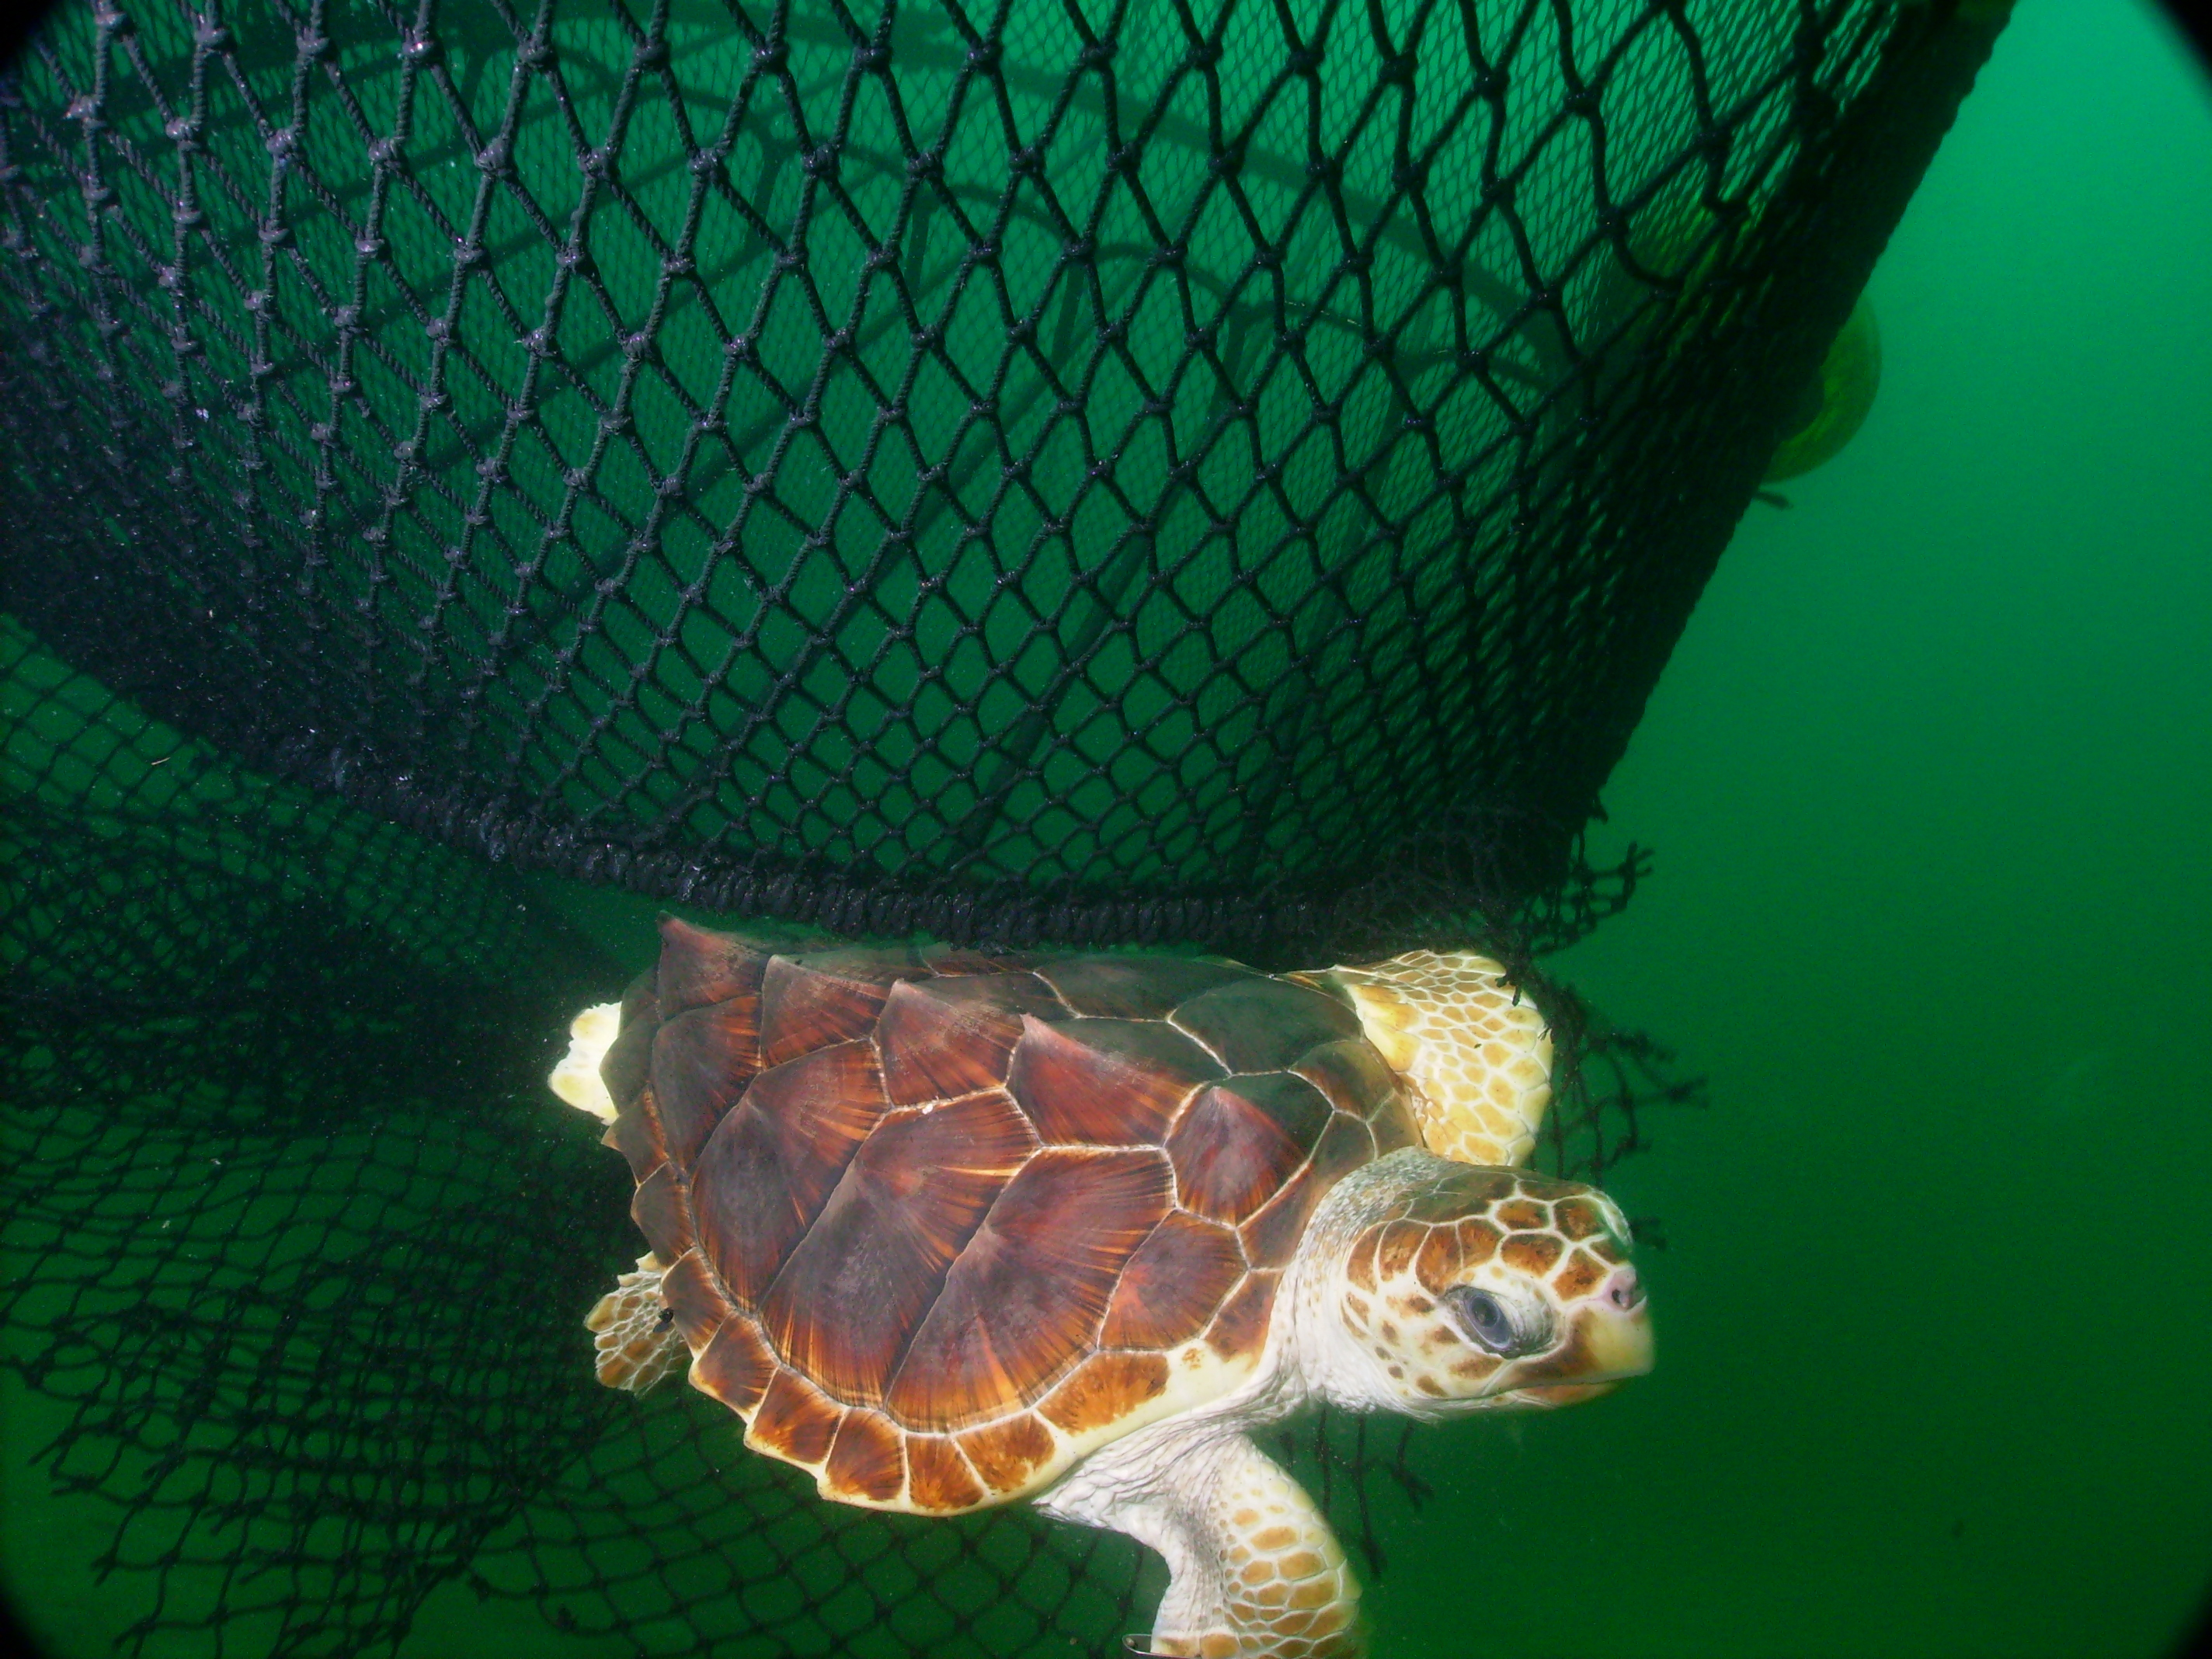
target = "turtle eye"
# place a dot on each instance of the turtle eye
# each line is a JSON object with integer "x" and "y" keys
{"x": 1484, "y": 1318}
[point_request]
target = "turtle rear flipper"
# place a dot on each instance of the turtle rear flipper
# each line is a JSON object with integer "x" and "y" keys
{"x": 633, "y": 1331}
{"x": 576, "y": 1079}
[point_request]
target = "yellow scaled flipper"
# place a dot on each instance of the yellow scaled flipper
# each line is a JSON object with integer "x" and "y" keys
{"x": 1475, "y": 1053}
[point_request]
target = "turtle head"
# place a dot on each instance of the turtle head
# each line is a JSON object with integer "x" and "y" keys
{"x": 1471, "y": 1288}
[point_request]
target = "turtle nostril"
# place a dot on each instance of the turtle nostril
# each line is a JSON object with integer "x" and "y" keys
{"x": 1624, "y": 1291}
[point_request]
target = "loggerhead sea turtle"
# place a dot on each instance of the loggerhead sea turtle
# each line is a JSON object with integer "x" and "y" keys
{"x": 949, "y": 1230}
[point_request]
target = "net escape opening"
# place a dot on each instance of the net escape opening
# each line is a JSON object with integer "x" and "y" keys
{"x": 1216, "y": 474}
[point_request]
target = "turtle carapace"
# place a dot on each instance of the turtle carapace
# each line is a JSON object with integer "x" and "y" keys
{"x": 949, "y": 1230}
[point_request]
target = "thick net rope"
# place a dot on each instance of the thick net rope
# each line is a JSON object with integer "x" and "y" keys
{"x": 1211, "y": 470}
{"x": 1224, "y": 474}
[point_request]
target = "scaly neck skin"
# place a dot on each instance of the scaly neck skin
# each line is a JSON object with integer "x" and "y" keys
{"x": 1173, "y": 1487}
{"x": 1330, "y": 1362}
{"x": 1245, "y": 1548}
{"x": 1309, "y": 1356}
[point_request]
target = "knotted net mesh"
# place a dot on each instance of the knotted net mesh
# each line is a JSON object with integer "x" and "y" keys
{"x": 1220, "y": 471}
{"x": 1224, "y": 474}
{"x": 300, "y": 1246}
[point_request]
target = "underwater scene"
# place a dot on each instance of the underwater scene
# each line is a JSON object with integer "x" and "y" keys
{"x": 1907, "y": 1357}
{"x": 1941, "y": 727}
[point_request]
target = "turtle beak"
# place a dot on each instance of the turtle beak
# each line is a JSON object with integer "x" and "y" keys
{"x": 1614, "y": 1334}
{"x": 1619, "y": 1344}
{"x": 1606, "y": 1349}
{"x": 1608, "y": 1342}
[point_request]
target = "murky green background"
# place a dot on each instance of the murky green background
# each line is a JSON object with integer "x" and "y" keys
{"x": 1930, "y": 778}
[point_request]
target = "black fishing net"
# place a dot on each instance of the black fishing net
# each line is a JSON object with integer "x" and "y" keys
{"x": 1225, "y": 475}
{"x": 1152, "y": 470}
{"x": 300, "y": 1244}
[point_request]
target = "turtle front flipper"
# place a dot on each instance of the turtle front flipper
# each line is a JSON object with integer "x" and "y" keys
{"x": 1254, "y": 1571}
{"x": 1473, "y": 1050}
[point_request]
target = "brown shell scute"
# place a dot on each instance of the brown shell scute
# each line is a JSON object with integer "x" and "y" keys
{"x": 1270, "y": 1237}
{"x": 1353, "y": 1076}
{"x": 628, "y": 1060}
{"x": 1006, "y": 1453}
{"x": 662, "y": 1210}
{"x": 856, "y": 1287}
{"x": 771, "y": 1164}
{"x": 1264, "y": 1025}
{"x": 829, "y": 996}
{"x": 635, "y": 1133}
{"x": 1105, "y": 1082}
{"x": 939, "y": 1477}
{"x": 932, "y": 1214}
{"x": 795, "y": 1419}
{"x": 697, "y": 1302}
{"x": 736, "y": 1365}
{"x": 702, "y": 1061}
{"x": 1106, "y": 1389}
{"x": 1173, "y": 1284}
{"x": 943, "y": 1038}
{"x": 700, "y": 969}
{"x": 868, "y": 1457}
{"x": 1027, "y": 1296}
{"x": 1241, "y": 1141}
{"x": 1241, "y": 1327}
{"x": 1136, "y": 987}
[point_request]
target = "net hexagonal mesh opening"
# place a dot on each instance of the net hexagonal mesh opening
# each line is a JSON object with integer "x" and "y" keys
{"x": 1225, "y": 475}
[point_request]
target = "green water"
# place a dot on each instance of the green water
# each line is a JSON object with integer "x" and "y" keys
{"x": 1930, "y": 778}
